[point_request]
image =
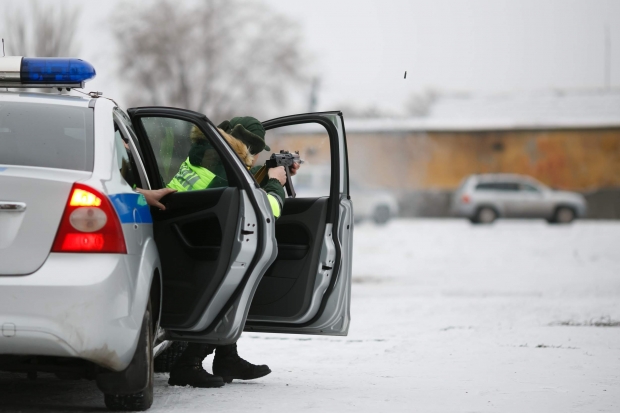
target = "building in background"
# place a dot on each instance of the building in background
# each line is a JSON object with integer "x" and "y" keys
{"x": 567, "y": 141}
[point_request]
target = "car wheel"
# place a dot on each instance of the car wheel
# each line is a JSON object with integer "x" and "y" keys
{"x": 564, "y": 215}
{"x": 486, "y": 215}
{"x": 382, "y": 214}
{"x": 167, "y": 358}
{"x": 142, "y": 400}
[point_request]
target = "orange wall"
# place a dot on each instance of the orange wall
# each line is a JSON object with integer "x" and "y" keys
{"x": 568, "y": 159}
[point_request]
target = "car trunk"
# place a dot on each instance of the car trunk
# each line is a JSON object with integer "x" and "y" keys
{"x": 32, "y": 201}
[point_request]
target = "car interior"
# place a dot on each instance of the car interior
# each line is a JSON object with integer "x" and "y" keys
{"x": 286, "y": 289}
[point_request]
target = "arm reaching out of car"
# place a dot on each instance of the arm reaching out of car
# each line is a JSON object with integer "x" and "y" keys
{"x": 153, "y": 196}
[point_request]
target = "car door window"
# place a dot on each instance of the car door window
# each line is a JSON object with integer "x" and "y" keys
{"x": 529, "y": 188}
{"x": 508, "y": 186}
{"x": 185, "y": 158}
{"x": 485, "y": 187}
{"x": 499, "y": 186}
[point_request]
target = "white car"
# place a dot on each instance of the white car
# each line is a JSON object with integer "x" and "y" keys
{"x": 93, "y": 282}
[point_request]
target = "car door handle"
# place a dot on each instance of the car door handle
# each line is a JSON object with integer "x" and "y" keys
{"x": 12, "y": 206}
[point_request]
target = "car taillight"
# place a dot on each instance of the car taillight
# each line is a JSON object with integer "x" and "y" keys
{"x": 89, "y": 224}
{"x": 465, "y": 199}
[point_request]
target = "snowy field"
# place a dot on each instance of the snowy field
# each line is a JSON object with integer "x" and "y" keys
{"x": 447, "y": 317}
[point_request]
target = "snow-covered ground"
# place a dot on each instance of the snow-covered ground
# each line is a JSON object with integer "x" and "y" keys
{"x": 447, "y": 317}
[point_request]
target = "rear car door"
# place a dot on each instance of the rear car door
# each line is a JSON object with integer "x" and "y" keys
{"x": 214, "y": 242}
{"x": 308, "y": 288}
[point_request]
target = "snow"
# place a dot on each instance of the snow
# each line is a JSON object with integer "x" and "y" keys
{"x": 446, "y": 317}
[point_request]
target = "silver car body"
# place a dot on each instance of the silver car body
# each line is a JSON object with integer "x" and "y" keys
{"x": 513, "y": 196}
{"x": 81, "y": 305}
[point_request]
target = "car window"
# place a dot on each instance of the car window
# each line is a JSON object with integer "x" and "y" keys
{"x": 124, "y": 158}
{"x": 184, "y": 154}
{"x": 529, "y": 188}
{"x": 484, "y": 187}
{"x": 498, "y": 186}
{"x": 52, "y": 136}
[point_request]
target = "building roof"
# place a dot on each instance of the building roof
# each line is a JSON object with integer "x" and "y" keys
{"x": 584, "y": 110}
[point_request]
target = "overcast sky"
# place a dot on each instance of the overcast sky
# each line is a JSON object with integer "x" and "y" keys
{"x": 361, "y": 48}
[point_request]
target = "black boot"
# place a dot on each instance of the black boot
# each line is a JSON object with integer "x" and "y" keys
{"x": 229, "y": 365}
{"x": 188, "y": 370}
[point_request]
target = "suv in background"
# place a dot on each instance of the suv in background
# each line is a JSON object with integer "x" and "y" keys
{"x": 484, "y": 198}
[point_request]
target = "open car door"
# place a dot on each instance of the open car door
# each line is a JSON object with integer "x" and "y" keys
{"x": 307, "y": 289}
{"x": 216, "y": 237}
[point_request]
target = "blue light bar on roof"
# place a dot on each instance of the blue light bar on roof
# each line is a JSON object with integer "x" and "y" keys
{"x": 16, "y": 71}
{"x": 52, "y": 70}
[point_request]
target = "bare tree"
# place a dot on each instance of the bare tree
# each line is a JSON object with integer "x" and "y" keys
{"x": 419, "y": 105}
{"x": 218, "y": 57}
{"x": 40, "y": 29}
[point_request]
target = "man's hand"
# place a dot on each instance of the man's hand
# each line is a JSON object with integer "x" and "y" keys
{"x": 277, "y": 173}
{"x": 153, "y": 196}
{"x": 294, "y": 168}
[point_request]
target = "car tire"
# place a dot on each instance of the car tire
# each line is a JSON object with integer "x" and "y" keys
{"x": 167, "y": 358}
{"x": 485, "y": 215}
{"x": 142, "y": 400}
{"x": 564, "y": 215}
{"x": 381, "y": 215}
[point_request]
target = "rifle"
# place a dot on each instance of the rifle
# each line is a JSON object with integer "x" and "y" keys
{"x": 285, "y": 159}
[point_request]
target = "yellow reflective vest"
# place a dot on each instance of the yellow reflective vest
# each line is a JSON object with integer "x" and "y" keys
{"x": 193, "y": 178}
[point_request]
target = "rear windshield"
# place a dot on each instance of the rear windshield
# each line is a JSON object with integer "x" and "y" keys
{"x": 52, "y": 136}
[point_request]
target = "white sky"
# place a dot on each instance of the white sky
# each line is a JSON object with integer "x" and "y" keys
{"x": 361, "y": 48}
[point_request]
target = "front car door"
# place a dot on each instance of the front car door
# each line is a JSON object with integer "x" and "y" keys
{"x": 533, "y": 202}
{"x": 215, "y": 241}
{"x": 307, "y": 289}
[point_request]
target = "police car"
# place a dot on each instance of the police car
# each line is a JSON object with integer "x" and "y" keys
{"x": 94, "y": 283}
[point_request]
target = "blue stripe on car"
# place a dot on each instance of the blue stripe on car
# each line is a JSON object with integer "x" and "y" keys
{"x": 125, "y": 205}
